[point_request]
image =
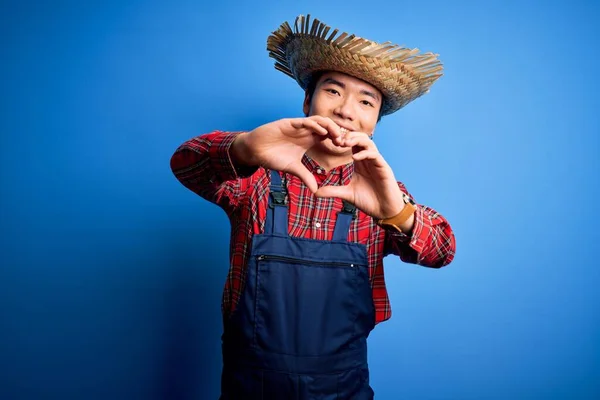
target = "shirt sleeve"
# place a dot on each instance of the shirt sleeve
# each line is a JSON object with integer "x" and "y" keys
{"x": 431, "y": 242}
{"x": 203, "y": 165}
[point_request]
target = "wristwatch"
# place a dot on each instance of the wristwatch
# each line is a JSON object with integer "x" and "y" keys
{"x": 397, "y": 220}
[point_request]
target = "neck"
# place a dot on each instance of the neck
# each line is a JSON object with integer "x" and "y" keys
{"x": 328, "y": 161}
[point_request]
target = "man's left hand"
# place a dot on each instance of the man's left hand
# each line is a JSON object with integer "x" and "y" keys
{"x": 373, "y": 188}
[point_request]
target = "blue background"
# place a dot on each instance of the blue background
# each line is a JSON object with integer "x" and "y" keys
{"x": 112, "y": 272}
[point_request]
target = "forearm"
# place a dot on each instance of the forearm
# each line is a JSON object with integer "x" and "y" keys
{"x": 404, "y": 219}
{"x": 203, "y": 165}
{"x": 240, "y": 153}
{"x": 430, "y": 242}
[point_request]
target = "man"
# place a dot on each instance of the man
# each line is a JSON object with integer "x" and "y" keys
{"x": 314, "y": 208}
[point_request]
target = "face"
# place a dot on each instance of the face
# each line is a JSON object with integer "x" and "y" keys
{"x": 350, "y": 102}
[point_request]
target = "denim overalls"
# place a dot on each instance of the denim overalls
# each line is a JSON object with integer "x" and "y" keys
{"x": 300, "y": 328}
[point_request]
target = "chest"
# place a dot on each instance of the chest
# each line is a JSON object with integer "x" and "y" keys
{"x": 309, "y": 217}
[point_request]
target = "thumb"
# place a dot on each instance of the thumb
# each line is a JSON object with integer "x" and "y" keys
{"x": 342, "y": 192}
{"x": 305, "y": 175}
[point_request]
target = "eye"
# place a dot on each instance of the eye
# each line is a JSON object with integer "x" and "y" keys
{"x": 333, "y": 91}
{"x": 367, "y": 103}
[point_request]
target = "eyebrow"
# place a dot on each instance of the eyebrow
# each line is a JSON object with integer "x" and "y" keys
{"x": 343, "y": 86}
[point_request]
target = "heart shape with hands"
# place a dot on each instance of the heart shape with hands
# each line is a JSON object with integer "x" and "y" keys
{"x": 281, "y": 145}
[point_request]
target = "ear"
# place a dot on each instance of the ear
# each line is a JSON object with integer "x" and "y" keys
{"x": 306, "y": 105}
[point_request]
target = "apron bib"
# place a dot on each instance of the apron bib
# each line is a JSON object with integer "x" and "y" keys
{"x": 300, "y": 328}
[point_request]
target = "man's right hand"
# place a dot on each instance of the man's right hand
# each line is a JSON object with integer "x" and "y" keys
{"x": 280, "y": 145}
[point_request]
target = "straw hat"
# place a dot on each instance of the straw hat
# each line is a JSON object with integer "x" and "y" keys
{"x": 400, "y": 74}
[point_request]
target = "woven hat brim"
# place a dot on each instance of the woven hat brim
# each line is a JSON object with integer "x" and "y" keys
{"x": 400, "y": 74}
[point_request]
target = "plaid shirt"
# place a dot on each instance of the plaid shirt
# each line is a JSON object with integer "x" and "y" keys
{"x": 203, "y": 165}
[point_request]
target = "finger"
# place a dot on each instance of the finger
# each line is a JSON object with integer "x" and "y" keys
{"x": 358, "y": 139}
{"x": 366, "y": 155}
{"x": 316, "y": 127}
{"x": 325, "y": 127}
{"x": 304, "y": 174}
{"x": 334, "y": 130}
{"x": 313, "y": 126}
{"x": 342, "y": 192}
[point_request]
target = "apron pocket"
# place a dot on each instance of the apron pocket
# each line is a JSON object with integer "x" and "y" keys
{"x": 306, "y": 308}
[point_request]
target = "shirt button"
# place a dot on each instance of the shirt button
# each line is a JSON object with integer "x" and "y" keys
{"x": 319, "y": 171}
{"x": 317, "y": 224}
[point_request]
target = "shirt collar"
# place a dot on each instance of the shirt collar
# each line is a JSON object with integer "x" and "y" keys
{"x": 337, "y": 176}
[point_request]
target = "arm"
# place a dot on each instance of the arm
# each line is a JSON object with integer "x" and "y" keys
{"x": 430, "y": 242}
{"x": 204, "y": 165}
{"x": 211, "y": 165}
{"x": 427, "y": 239}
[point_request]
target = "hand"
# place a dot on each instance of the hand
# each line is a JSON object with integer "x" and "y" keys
{"x": 280, "y": 145}
{"x": 373, "y": 187}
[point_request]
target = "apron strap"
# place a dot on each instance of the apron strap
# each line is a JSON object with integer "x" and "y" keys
{"x": 344, "y": 219}
{"x": 277, "y": 212}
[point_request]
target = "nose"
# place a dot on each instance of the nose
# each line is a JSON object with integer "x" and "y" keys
{"x": 344, "y": 109}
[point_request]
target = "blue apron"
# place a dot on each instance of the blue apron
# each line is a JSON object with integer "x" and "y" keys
{"x": 300, "y": 328}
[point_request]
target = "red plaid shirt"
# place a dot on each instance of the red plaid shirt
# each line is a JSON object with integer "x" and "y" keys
{"x": 203, "y": 165}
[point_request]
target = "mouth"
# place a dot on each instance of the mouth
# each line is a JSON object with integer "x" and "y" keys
{"x": 344, "y": 128}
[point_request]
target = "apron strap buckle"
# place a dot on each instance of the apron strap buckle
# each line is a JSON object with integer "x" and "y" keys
{"x": 349, "y": 208}
{"x": 278, "y": 199}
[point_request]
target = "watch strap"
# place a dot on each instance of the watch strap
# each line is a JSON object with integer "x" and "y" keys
{"x": 399, "y": 218}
